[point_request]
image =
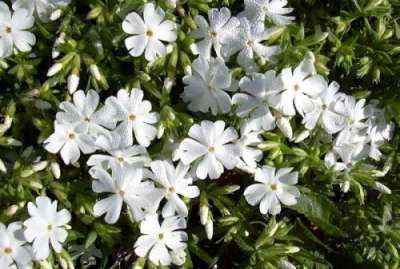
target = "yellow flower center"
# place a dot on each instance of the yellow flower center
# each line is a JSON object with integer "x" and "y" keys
{"x": 121, "y": 193}
{"x": 149, "y": 33}
{"x": 171, "y": 189}
{"x": 296, "y": 87}
{"x": 8, "y": 250}
{"x": 49, "y": 227}
{"x": 132, "y": 117}
{"x": 324, "y": 107}
{"x": 273, "y": 187}
{"x": 161, "y": 236}
{"x": 71, "y": 136}
{"x": 8, "y": 29}
{"x": 211, "y": 149}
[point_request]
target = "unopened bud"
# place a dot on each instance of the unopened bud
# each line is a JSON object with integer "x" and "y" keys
{"x": 54, "y": 69}
{"x": 209, "y": 229}
{"x": 39, "y": 166}
{"x": 11, "y": 210}
{"x": 203, "y": 214}
{"x": 345, "y": 186}
{"x": 72, "y": 83}
{"x": 94, "y": 70}
{"x": 55, "y": 15}
{"x": 382, "y": 188}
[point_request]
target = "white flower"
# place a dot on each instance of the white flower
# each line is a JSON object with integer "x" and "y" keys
{"x": 146, "y": 35}
{"x": 46, "y": 225}
{"x": 249, "y": 154}
{"x": 13, "y": 245}
{"x": 255, "y": 99}
{"x": 221, "y": 26}
{"x": 134, "y": 112}
{"x": 212, "y": 146}
{"x": 276, "y": 187}
{"x": 13, "y": 30}
{"x": 175, "y": 183}
{"x": 119, "y": 152}
{"x": 69, "y": 140}
{"x": 160, "y": 241}
{"x": 43, "y": 9}
{"x": 343, "y": 157}
{"x": 248, "y": 41}
{"x": 6, "y": 263}
{"x": 126, "y": 185}
{"x": 355, "y": 113}
{"x": 82, "y": 111}
{"x": 300, "y": 87}
{"x": 272, "y": 9}
{"x": 206, "y": 89}
{"x": 324, "y": 111}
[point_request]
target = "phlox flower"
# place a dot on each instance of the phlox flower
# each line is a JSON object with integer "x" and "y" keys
{"x": 43, "y": 9}
{"x": 250, "y": 155}
{"x": 147, "y": 33}
{"x": 134, "y": 114}
{"x": 160, "y": 241}
{"x": 207, "y": 88}
{"x": 69, "y": 140}
{"x": 274, "y": 10}
{"x": 46, "y": 225}
{"x": 126, "y": 185}
{"x": 175, "y": 182}
{"x": 13, "y": 247}
{"x": 275, "y": 187}
{"x": 13, "y": 30}
{"x": 212, "y": 147}
{"x": 213, "y": 33}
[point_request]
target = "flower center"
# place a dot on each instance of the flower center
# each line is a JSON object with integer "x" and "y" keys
{"x": 323, "y": 107}
{"x": 132, "y": 117}
{"x": 8, "y": 29}
{"x": 296, "y": 87}
{"x": 87, "y": 119}
{"x": 149, "y": 33}
{"x": 211, "y": 149}
{"x": 161, "y": 236}
{"x": 49, "y": 227}
{"x": 8, "y": 250}
{"x": 120, "y": 159}
{"x": 273, "y": 187}
{"x": 121, "y": 193}
{"x": 213, "y": 34}
{"x": 171, "y": 189}
{"x": 250, "y": 43}
{"x": 71, "y": 136}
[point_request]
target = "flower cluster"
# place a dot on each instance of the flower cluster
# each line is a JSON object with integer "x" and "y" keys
{"x": 236, "y": 94}
{"x": 45, "y": 226}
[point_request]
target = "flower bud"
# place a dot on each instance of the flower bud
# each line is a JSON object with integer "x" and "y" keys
{"x": 55, "y": 14}
{"x": 11, "y": 210}
{"x": 54, "y": 69}
{"x": 203, "y": 214}
{"x": 94, "y": 70}
{"x": 382, "y": 188}
{"x": 39, "y": 166}
{"x": 301, "y": 136}
{"x": 72, "y": 83}
{"x": 345, "y": 186}
{"x": 209, "y": 229}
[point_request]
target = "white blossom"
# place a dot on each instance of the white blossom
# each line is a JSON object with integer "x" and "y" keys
{"x": 43, "y": 9}
{"x": 249, "y": 43}
{"x": 134, "y": 114}
{"x": 69, "y": 140}
{"x": 46, "y": 225}
{"x": 275, "y": 10}
{"x": 147, "y": 33}
{"x": 13, "y": 30}
{"x": 206, "y": 89}
{"x": 126, "y": 185}
{"x": 300, "y": 87}
{"x": 213, "y": 33}
{"x": 13, "y": 246}
{"x": 212, "y": 147}
{"x": 275, "y": 187}
{"x": 324, "y": 111}
{"x": 254, "y": 100}
{"x": 175, "y": 182}
{"x": 160, "y": 241}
